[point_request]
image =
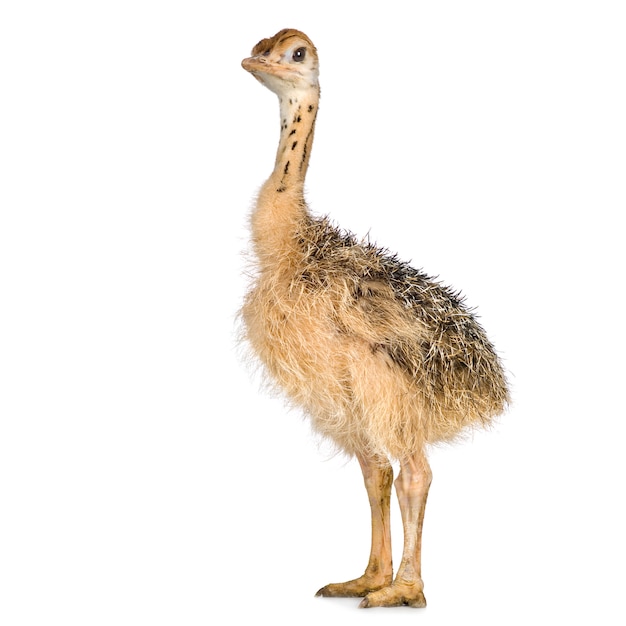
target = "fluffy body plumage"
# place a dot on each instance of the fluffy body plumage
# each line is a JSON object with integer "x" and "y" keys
{"x": 383, "y": 358}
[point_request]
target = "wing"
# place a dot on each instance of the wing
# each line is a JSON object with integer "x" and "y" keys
{"x": 422, "y": 326}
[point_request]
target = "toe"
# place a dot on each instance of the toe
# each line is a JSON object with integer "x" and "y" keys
{"x": 353, "y": 588}
{"x": 418, "y": 602}
{"x": 394, "y": 595}
{"x": 324, "y": 592}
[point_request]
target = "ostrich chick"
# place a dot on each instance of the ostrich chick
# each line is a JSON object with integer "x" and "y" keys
{"x": 381, "y": 357}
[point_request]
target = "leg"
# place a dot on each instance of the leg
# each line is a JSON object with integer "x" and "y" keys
{"x": 378, "y": 476}
{"x": 412, "y": 487}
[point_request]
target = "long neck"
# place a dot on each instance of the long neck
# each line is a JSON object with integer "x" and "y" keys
{"x": 297, "y": 125}
{"x": 280, "y": 207}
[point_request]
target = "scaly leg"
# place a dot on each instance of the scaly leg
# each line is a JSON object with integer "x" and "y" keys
{"x": 378, "y": 476}
{"x": 412, "y": 488}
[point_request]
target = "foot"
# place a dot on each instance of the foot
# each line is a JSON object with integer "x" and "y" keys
{"x": 354, "y": 588}
{"x": 397, "y": 594}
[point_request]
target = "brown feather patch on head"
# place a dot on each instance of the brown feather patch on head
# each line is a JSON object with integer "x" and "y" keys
{"x": 266, "y": 45}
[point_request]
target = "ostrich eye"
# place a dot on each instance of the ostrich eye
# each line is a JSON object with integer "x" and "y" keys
{"x": 299, "y": 55}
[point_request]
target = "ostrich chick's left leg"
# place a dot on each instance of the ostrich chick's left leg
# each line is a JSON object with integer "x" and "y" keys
{"x": 407, "y": 588}
{"x": 378, "y": 476}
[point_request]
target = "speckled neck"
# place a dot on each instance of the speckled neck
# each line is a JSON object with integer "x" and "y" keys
{"x": 297, "y": 125}
{"x": 281, "y": 209}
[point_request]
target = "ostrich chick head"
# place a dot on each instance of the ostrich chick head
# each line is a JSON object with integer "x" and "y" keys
{"x": 285, "y": 63}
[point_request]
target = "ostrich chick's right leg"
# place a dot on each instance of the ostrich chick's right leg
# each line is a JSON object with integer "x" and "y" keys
{"x": 412, "y": 487}
{"x": 378, "y": 476}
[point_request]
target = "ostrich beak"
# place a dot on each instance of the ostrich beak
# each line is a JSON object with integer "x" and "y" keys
{"x": 259, "y": 64}
{"x": 252, "y": 64}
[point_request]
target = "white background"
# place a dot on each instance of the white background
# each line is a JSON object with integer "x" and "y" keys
{"x": 144, "y": 478}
